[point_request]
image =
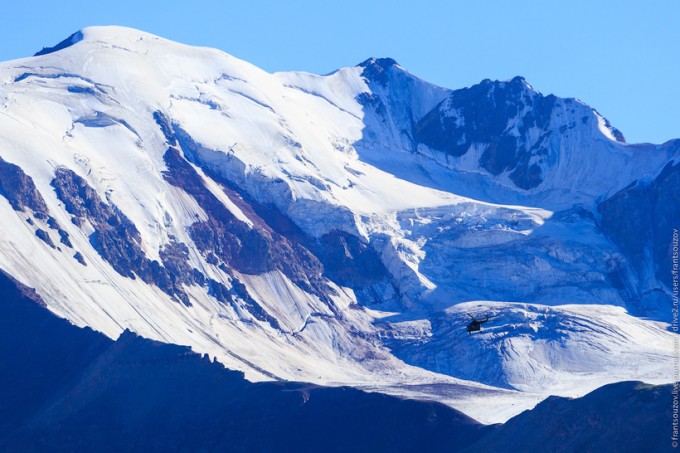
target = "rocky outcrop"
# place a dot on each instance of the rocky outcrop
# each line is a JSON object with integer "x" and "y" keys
{"x": 45, "y": 237}
{"x": 79, "y": 257}
{"x": 115, "y": 237}
{"x": 20, "y": 190}
{"x": 376, "y": 69}
{"x": 117, "y": 240}
{"x": 249, "y": 250}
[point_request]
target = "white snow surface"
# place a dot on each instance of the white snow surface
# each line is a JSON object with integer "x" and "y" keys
{"x": 295, "y": 140}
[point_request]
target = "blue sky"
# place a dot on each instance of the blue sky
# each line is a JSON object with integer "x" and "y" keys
{"x": 621, "y": 57}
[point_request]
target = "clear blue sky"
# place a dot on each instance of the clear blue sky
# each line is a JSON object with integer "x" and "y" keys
{"x": 621, "y": 57}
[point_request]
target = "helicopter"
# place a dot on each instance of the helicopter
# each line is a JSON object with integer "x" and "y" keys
{"x": 476, "y": 324}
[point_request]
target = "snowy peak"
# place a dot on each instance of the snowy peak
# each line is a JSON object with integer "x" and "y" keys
{"x": 376, "y": 69}
{"x": 394, "y": 101}
{"x": 523, "y": 130}
{"x": 101, "y": 35}
{"x": 104, "y": 35}
{"x": 512, "y": 118}
{"x": 502, "y": 134}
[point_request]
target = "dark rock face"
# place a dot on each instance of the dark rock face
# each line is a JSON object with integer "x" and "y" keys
{"x": 374, "y": 103}
{"x": 63, "y": 235}
{"x": 640, "y": 219}
{"x": 175, "y": 257}
{"x": 116, "y": 238}
{"x": 79, "y": 257}
{"x": 22, "y": 194}
{"x": 19, "y": 189}
{"x": 248, "y": 250}
{"x": 45, "y": 237}
{"x": 83, "y": 392}
{"x": 480, "y": 114}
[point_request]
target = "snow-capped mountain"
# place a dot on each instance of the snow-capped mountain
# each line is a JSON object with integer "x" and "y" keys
{"x": 338, "y": 229}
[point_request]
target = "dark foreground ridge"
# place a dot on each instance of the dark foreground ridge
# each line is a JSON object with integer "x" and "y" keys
{"x": 63, "y": 388}
{"x": 621, "y": 417}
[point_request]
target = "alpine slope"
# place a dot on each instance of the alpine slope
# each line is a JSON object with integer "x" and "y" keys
{"x": 339, "y": 229}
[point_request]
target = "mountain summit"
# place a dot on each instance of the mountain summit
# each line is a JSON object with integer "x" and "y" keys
{"x": 338, "y": 229}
